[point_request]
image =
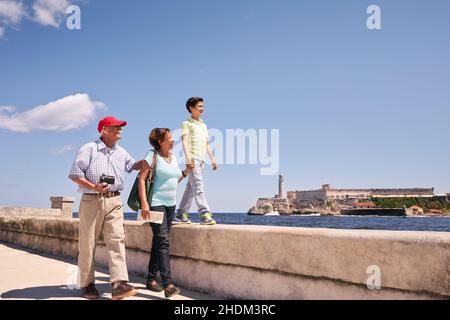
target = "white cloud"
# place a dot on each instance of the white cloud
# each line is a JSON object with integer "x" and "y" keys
{"x": 11, "y": 13}
{"x": 7, "y": 108}
{"x": 65, "y": 114}
{"x": 50, "y": 12}
{"x": 44, "y": 12}
{"x": 61, "y": 150}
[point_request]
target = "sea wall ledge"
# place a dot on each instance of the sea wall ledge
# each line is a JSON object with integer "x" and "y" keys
{"x": 265, "y": 262}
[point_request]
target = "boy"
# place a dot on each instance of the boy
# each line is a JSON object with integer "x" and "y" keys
{"x": 195, "y": 146}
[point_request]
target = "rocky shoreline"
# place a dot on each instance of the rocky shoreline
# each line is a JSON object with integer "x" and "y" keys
{"x": 283, "y": 210}
{"x": 335, "y": 210}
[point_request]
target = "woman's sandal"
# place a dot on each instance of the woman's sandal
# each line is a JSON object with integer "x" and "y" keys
{"x": 154, "y": 286}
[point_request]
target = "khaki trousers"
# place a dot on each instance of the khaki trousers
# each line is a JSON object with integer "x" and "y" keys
{"x": 99, "y": 214}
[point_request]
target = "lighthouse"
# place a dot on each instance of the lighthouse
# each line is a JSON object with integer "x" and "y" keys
{"x": 281, "y": 188}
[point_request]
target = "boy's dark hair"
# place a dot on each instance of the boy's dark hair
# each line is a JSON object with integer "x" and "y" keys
{"x": 192, "y": 102}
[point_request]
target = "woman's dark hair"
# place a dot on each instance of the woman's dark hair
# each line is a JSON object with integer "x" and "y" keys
{"x": 192, "y": 102}
{"x": 157, "y": 135}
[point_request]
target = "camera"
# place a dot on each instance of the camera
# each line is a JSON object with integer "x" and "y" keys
{"x": 107, "y": 179}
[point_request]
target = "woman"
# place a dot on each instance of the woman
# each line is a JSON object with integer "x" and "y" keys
{"x": 168, "y": 175}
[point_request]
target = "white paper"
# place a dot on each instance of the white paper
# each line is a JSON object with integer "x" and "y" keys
{"x": 155, "y": 217}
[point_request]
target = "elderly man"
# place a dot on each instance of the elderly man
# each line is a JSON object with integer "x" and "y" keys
{"x": 98, "y": 170}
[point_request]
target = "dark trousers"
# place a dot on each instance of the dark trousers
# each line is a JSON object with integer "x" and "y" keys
{"x": 159, "y": 257}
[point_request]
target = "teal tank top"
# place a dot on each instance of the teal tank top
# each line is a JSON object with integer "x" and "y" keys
{"x": 166, "y": 180}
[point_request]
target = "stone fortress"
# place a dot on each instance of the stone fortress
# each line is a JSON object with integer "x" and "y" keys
{"x": 328, "y": 200}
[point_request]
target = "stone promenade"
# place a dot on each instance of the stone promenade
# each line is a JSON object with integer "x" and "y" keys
{"x": 27, "y": 274}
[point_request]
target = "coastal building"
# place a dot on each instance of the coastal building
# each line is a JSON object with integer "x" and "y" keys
{"x": 327, "y": 193}
{"x": 336, "y": 199}
{"x": 281, "y": 202}
{"x": 442, "y": 196}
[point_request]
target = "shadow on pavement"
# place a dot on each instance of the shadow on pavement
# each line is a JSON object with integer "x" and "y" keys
{"x": 102, "y": 284}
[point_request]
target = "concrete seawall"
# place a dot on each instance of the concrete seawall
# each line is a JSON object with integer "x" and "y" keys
{"x": 264, "y": 262}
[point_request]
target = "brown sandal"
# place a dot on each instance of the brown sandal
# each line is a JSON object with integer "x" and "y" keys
{"x": 154, "y": 286}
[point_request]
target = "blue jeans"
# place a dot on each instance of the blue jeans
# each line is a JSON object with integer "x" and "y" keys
{"x": 159, "y": 257}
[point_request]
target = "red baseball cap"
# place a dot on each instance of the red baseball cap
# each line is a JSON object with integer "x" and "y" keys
{"x": 110, "y": 121}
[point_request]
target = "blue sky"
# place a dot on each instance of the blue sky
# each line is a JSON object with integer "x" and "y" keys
{"x": 355, "y": 107}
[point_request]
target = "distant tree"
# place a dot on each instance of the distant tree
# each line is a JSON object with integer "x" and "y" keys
{"x": 425, "y": 203}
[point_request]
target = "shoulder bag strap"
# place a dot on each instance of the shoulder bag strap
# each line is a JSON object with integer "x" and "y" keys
{"x": 154, "y": 162}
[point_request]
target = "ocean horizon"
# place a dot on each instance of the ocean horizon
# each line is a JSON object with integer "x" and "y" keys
{"x": 407, "y": 223}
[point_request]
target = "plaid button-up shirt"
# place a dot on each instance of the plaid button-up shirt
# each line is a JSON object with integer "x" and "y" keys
{"x": 95, "y": 159}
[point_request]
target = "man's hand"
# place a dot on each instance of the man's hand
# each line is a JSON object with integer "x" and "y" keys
{"x": 101, "y": 187}
{"x": 138, "y": 165}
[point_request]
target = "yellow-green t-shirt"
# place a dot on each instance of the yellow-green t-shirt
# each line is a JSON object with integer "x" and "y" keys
{"x": 197, "y": 132}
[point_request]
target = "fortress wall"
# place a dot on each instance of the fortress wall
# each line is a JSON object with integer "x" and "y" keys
{"x": 325, "y": 194}
{"x": 311, "y": 195}
{"x": 405, "y": 191}
{"x": 334, "y": 194}
{"x": 265, "y": 262}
